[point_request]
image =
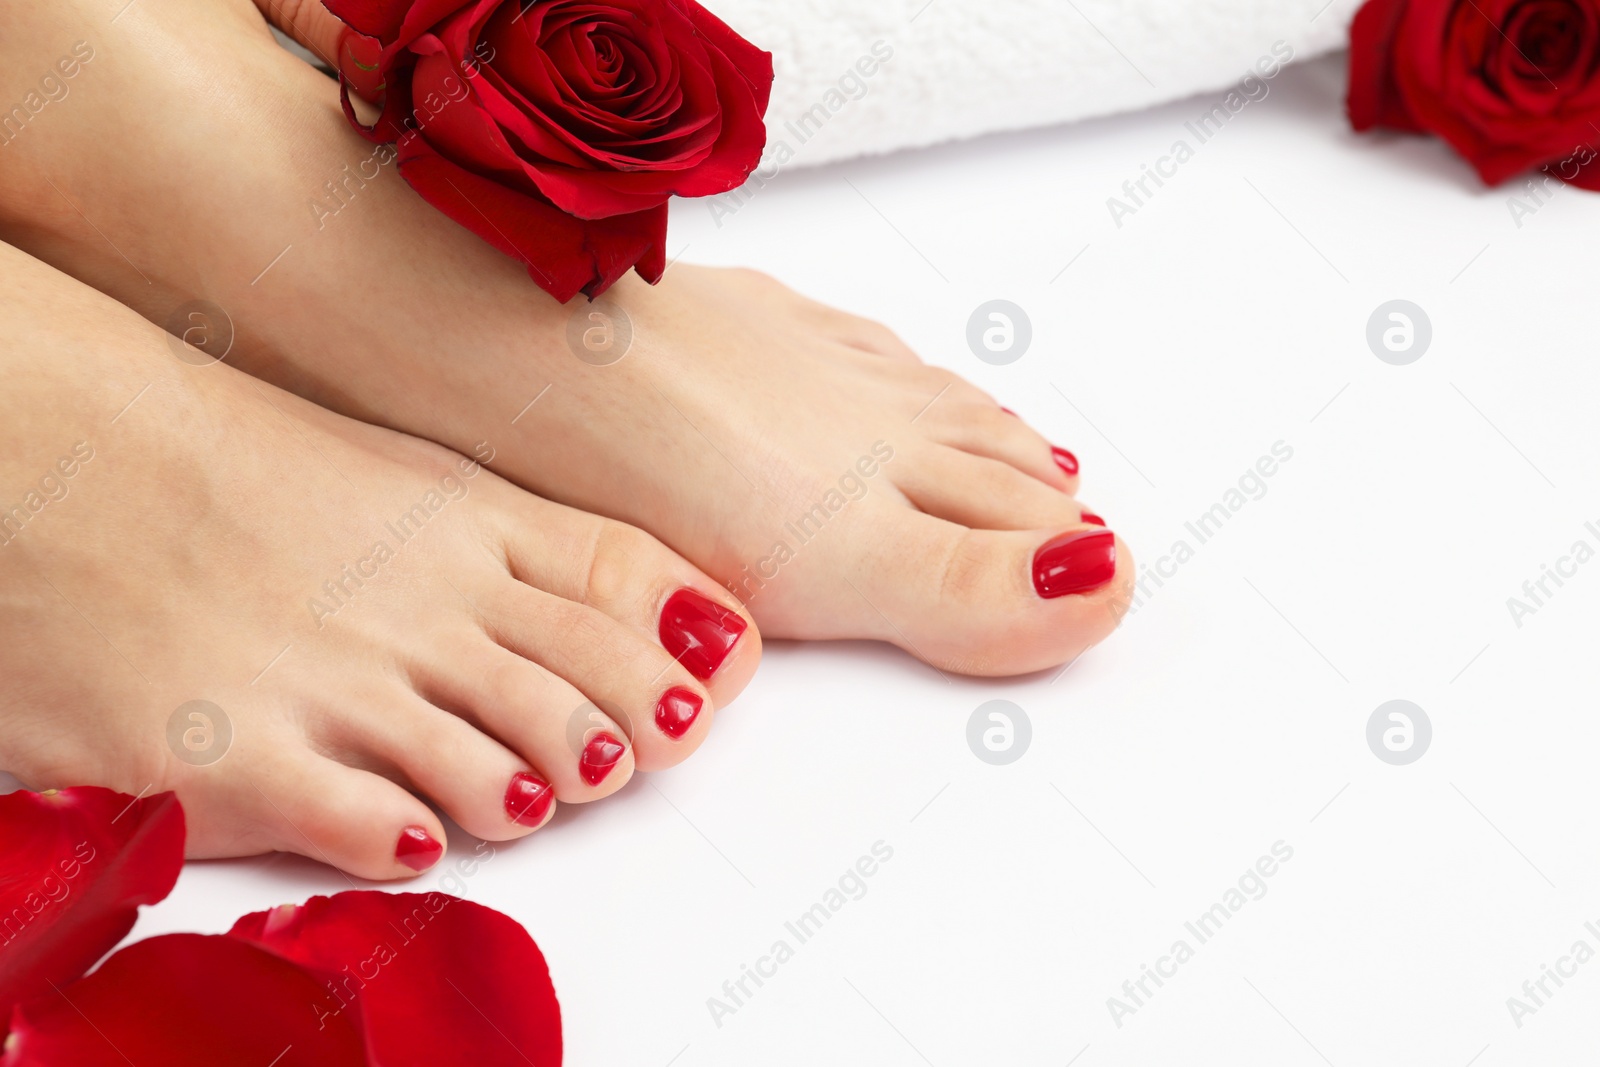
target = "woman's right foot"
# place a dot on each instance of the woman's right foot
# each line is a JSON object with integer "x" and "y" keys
{"x": 298, "y": 621}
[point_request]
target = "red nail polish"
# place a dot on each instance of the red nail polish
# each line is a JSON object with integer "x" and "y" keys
{"x": 417, "y": 849}
{"x": 1008, "y": 411}
{"x": 359, "y": 57}
{"x": 1075, "y": 563}
{"x": 528, "y": 799}
{"x": 677, "y": 711}
{"x": 599, "y": 756}
{"x": 1064, "y": 459}
{"x": 1090, "y": 517}
{"x": 698, "y": 632}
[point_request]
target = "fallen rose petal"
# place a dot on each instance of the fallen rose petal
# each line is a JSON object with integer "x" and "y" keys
{"x": 433, "y": 978}
{"x": 78, "y": 864}
{"x": 186, "y": 1000}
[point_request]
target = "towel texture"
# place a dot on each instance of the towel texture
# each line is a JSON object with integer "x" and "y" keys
{"x": 959, "y": 68}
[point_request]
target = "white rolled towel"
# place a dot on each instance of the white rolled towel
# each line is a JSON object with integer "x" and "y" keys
{"x": 858, "y": 77}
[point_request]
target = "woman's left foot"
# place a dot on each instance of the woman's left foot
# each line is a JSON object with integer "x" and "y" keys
{"x": 805, "y": 458}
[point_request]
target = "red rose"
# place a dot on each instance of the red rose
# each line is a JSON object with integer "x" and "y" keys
{"x": 1510, "y": 84}
{"x": 557, "y": 130}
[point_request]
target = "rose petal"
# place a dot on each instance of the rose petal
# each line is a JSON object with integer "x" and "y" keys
{"x": 461, "y": 129}
{"x": 375, "y": 18}
{"x": 435, "y": 979}
{"x": 595, "y": 165}
{"x": 752, "y": 62}
{"x": 671, "y": 97}
{"x": 548, "y": 241}
{"x": 1584, "y": 175}
{"x": 78, "y": 864}
{"x": 186, "y": 1000}
{"x": 743, "y": 136}
{"x": 1374, "y": 98}
{"x": 422, "y": 17}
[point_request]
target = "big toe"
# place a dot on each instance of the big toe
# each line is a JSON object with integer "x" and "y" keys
{"x": 995, "y": 602}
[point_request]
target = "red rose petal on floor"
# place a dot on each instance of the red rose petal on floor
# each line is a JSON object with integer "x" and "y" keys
{"x": 77, "y": 865}
{"x": 435, "y": 979}
{"x": 182, "y": 1000}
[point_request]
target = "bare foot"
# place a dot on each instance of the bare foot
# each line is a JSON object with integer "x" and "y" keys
{"x": 298, "y": 621}
{"x": 803, "y": 457}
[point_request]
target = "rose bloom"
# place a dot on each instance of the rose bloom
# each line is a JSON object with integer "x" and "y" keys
{"x": 557, "y": 130}
{"x": 1510, "y": 84}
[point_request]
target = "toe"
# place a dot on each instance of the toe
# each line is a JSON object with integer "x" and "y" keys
{"x": 629, "y": 576}
{"x": 355, "y": 820}
{"x": 309, "y": 24}
{"x": 622, "y": 676}
{"x": 982, "y": 493}
{"x": 574, "y": 751}
{"x": 984, "y": 429}
{"x": 993, "y": 602}
{"x": 441, "y": 742}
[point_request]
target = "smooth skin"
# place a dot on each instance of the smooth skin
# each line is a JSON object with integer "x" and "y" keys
{"x": 170, "y": 531}
{"x": 740, "y": 406}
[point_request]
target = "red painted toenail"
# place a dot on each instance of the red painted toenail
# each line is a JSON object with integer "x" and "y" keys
{"x": 1064, "y": 459}
{"x": 528, "y": 799}
{"x": 699, "y": 633}
{"x": 1091, "y": 518}
{"x": 417, "y": 849}
{"x": 1075, "y": 563}
{"x": 599, "y": 756}
{"x": 1008, "y": 411}
{"x": 677, "y": 711}
{"x": 359, "y": 57}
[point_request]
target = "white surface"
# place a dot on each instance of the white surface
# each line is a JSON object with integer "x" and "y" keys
{"x": 1184, "y": 344}
{"x": 958, "y": 68}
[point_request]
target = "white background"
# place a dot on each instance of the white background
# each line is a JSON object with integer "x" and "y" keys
{"x": 1229, "y": 713}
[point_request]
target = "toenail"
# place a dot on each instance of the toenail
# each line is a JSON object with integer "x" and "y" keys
{"x": 528, "y": 799}
{"x": 599, "y": 756}
{"x": 1064, "y": 459}
{"x": 1090, "y": 517}
{"x": 1075, "y": 563}
{"x": 1008, "y": 411}
{"x": 417, "y": 849}
{"x": 359, "y": 56}
{"x": 677, "y": 711}
{"x": 699, "y": 633}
